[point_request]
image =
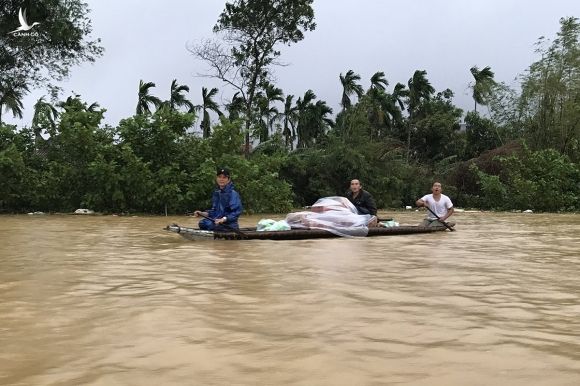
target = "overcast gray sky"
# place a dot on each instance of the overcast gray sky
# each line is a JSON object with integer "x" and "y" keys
{"x": 147, "y": 40}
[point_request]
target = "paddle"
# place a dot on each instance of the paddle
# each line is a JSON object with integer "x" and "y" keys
{"x": 439, "y": 219}
{"x": 239, "y": 232}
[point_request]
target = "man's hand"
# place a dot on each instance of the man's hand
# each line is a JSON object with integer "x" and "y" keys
{"x": 421, "y": 203}
{"x": 221, "y": 220}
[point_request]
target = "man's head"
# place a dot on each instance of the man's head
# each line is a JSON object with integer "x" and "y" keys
{"x": 436, "y": 188}
{"x": 222, "y": 177}
{"x": 355, "y": 186}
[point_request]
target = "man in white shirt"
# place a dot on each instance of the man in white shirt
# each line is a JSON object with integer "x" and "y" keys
{"x": 439, "y": 204}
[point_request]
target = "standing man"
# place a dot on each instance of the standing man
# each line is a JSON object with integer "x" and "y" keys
{"x": 361, "y": 199}
{"x": 439, "y": 204}
{"x": 226, "y": 205}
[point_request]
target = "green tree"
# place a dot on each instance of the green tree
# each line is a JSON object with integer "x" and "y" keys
{"x": 349, "y": 87}
{"x": 290, "y": 118}
{"x": 481, "y": 134}
{"x": 46, "y": 54}
{"x": 504, "y": 108}
{"x": 93, "y": 107}
{"x": 543, "y": 180}
{"x": 207, "y": 105}
{"x": 420, "y": 91}
{"x": 550, "y": 98}
{"x": 302, "y": 105}
{"x": 155, "y": 138}
{"x": 145, "y": 99}
{"x": 437, "y": 128}
{"x": 251, "y": 31}
{"x": 235, "y": 107}
{"x": 267, "y": 113}
{"x": 378, "y": 81}
{"x": 483, "y": 85}
{"x": 176, "y": 97}
{"x": 375, "y": 101}
{"x": 45, "y": 115}
{"x": 383, "y": 108}
{"x": 397, "y": 100}
{"x": 313, "y": 120}
{"x": 12, "y": 169}
{"x": 77, "y": 144}
{"x": 11, "y": 95}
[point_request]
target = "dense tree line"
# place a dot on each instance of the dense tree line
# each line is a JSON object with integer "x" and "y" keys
{"x": 522, "y": 151}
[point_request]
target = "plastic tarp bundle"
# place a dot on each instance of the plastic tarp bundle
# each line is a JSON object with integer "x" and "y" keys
{"x": 334, "y": 214}
{"x": 268, "y": 225}
{"x": 389, "y": 224}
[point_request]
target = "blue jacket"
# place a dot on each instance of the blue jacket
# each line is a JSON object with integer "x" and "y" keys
{"x": 226, "y": 202}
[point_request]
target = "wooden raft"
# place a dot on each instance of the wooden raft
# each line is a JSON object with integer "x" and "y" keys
{"x": 293, "y": 234}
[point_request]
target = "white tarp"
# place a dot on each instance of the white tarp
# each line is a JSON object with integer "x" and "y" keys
{"x": 334, "y": 214}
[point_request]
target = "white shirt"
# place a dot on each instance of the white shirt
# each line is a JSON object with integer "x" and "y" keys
{"x": 439, "y": 207}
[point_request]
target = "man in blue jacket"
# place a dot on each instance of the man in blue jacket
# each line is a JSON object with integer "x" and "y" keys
{"x": 226, "y": 205}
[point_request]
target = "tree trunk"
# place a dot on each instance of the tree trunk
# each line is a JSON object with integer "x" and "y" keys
{"x": 408, "y": 143}
{"x": 247, "y": 141}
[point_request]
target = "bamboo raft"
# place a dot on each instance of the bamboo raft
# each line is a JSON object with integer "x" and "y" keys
{"x": 293, "y": 234}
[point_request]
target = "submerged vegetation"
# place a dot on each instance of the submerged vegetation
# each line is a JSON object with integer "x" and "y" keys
{"x": 289, "y": 150}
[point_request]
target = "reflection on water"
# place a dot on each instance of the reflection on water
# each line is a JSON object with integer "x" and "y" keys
{"x": 117, "y": 301}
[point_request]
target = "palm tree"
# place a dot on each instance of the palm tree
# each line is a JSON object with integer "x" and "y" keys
{"x": 267, "y": 114}
{"x": 349, "y": 87}
{"x": 93, "y": 107}
{"x": 145, "y": 99}
{"x": 397, "y": 100}
{"x": 11, "y": 95}
{"x": 321, "y": 122}
{"x": 399, "y": 94}
{"x": 378, "y": 81}
{"x": 273, "y": 94}
{"x": 313, "y": 120}
{"x": 235, "y": 107}
{"x": 379, "y": 108}
{"x": 420, "y": 90}
{"x": 44, "y": 113}
{"x": 290, "y": 115}
{"x": 177, "y": 99}
{"x": 208, "y": 104}
{"x": 302, "y": 105}
{"x": 74, "y": 103}
{"x": 483, "y": 85}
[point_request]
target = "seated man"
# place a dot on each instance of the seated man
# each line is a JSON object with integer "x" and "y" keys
{"x": 439, "y": 206}
{"x": 361, "y": 199}
{"x": 226, "y": 206}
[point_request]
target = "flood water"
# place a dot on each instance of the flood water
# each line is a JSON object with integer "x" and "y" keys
{"x": 106, "y": 300}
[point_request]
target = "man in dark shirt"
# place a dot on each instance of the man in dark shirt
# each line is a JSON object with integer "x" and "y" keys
{"x": 361, "y": 199}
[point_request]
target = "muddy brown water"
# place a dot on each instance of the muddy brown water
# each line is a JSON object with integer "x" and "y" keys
{"x": 103, "y": 300}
